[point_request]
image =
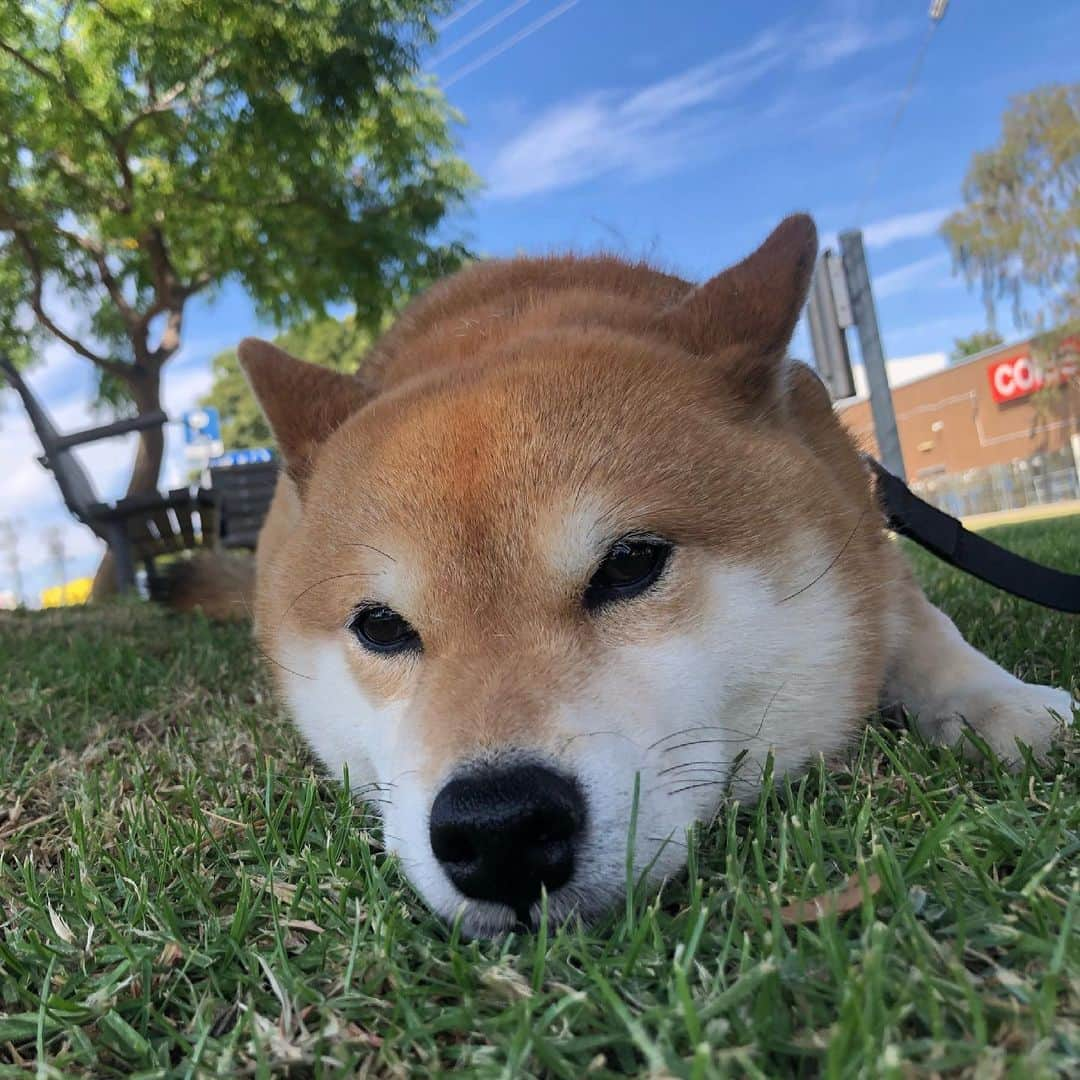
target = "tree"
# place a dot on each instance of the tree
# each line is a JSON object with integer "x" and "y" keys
{"x": 152, "y": 149}
{"x": 1018, "y": 233}
{"x": 337, "y": 344}
{"x": 975, "y": 343}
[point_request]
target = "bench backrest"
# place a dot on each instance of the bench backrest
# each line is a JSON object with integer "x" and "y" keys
{"x": 71, "y": 478}
{"x": 245, "y": 493}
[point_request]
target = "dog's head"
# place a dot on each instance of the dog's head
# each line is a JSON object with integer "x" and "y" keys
{"x": 598, "y": 571}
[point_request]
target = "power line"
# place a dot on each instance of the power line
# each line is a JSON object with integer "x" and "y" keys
{"x": 9, "y": 542}
{"x": 937, "y": 13}
{"x": 480, "y": 31}
{"x": 54, "y": 541}
{"x": 459, "y": 14}
{"x": 509, "y": 43}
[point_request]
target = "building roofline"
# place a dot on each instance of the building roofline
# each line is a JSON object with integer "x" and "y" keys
{"x": 858, "y": 399}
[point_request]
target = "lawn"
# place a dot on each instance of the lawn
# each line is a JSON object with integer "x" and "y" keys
{"x": 182, "y": 894}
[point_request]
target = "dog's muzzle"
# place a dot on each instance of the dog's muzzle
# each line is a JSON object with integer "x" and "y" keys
{"x": 502, "y": 833}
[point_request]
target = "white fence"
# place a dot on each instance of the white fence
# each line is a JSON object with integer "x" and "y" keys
{"x": 1046, "y": 478}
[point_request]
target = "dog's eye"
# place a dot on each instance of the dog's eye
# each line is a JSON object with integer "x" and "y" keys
{"x": 629, "y": 568}
{"x": 381, "y": 629}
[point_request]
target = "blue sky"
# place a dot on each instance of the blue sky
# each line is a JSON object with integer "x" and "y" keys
{"x": 681, "y": 131}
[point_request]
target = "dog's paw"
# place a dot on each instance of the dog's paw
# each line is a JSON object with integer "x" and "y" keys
{"x": 1000, "y": 717}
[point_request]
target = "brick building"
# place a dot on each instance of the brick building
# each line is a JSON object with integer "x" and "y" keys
{"x": 992, "y": 432}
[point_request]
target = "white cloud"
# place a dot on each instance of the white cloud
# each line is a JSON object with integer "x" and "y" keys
{"x": 182, "y": 389}
{"x": 920, "y": 274}
{"x": 31, "y": 501}
{"x": 647, "y": 132}
{"x": 828, "y": 42}
{"x": 913, "y": 226}
{"x": 892, "y": 230}
{"x": 29, "y": 495}
{"x": 659, "y": 127}
{"x": 82, "y": 551}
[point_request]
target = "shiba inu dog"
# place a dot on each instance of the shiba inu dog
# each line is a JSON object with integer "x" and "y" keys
{"x": 580, "y": 533}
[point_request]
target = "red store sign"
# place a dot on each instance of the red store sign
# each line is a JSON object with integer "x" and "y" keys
{"x": 1014, "y": 378}
{"x": 1019, "y": 376}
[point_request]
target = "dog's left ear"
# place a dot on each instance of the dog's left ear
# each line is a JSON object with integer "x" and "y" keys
{"x": 745, "y": 316}
{"x": 303, "y": 403}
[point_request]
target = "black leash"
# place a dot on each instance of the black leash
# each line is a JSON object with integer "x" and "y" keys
{"x": 944, "y": 536}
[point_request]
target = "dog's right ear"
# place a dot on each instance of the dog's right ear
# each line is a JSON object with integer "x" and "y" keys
{"x": 303, "y": 403}
{"x": 745, "y": 316}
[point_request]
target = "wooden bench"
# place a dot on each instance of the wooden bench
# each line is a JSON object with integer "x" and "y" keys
{"x": 244, "y": 493}
{"x": 139, "y": 528}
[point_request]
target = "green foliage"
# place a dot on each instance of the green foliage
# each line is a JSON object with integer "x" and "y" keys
{"x": 151, "y": 149}
{"x": 975, "y": 343}
{"x": 1018, "y": 234}
{"x": 185, "y": 895}
{"x": 338, "y": 344}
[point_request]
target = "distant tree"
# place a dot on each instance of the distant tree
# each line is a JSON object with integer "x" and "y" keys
{"x": 975, "y": 343}
{"x": 152, "y": 149}
{"x": 338, "y": 344}
{"x": 1018, "y": 233}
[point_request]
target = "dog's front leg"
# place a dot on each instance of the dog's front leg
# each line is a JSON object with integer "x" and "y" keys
{"x": 949, "y": 686}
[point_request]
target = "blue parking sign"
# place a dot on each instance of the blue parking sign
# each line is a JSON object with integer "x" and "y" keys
{"x": 202, "y": 426}
{"x": 257, "y": 455}
{"x": 202, "y": 434}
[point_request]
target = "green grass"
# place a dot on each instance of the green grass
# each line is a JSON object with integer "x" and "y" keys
{"x": 181, "y": 894}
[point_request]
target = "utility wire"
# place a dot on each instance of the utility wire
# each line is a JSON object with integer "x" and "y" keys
{"x": 937, "y": 13}
{"x": 509, "y": 43}
{"x": 459, "y": 14}
{"x": 480, "y": 31}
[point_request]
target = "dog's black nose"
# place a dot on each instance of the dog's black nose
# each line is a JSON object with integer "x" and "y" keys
{"x": 502, "y": 833}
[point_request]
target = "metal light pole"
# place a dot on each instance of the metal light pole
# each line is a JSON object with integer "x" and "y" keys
{"x": 865, "y": 316}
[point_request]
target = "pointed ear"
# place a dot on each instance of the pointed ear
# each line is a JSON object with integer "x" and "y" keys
{"x": 303, "y": 403}
{"x": 753, "y": 305}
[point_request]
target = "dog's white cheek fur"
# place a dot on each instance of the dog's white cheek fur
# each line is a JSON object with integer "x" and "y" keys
{"x": 346, "y": 729}
{"x": 760, "y": 673}
{"x": 341, "y": 724}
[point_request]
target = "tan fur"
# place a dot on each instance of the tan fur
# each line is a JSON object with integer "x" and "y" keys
{"x": 517, "y": 420}
{"x": 478, "y": 368}
{"x": 219, "y": 585}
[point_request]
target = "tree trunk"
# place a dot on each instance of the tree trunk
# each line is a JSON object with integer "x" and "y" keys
{"x": 146, "y": 392}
